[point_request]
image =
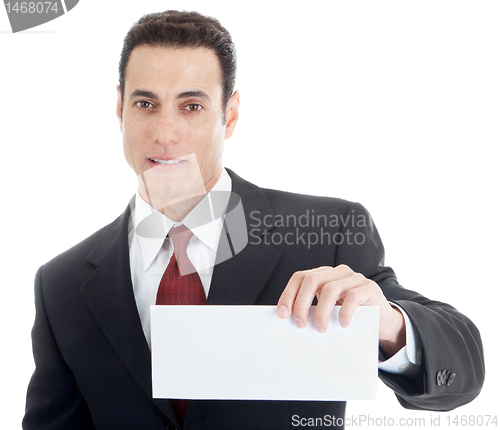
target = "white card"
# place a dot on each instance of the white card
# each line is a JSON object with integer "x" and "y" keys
{"x": 247, "y": 352}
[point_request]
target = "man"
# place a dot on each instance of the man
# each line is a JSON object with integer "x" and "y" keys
{"x": 176, "y": 106}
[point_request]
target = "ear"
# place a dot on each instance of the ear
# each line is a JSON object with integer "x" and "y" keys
{"x": 119, "y": 106}
{"x": 232, "y": 113}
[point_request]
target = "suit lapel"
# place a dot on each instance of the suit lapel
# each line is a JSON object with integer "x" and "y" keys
{"x": 240, "y": 279}
{"x": 109, "y": 294}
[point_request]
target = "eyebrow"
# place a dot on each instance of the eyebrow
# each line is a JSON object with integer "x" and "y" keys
{"x": 198, "y": 94}
{"x": 144, "y": 93}
{"x": 183, "y": 95}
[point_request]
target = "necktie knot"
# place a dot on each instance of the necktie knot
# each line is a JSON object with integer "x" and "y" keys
{"x": 180, "y": 237}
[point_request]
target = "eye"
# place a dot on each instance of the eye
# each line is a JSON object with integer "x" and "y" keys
{"x": 193, "y": 107}
{"x": 144, "y": 104}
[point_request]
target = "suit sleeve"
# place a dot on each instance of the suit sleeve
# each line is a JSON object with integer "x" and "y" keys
{"x": 53, "y": 401}
{"x": 452, "y": 364}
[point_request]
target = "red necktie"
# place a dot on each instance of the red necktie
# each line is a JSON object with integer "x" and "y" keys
{"x": 180, "y": 285}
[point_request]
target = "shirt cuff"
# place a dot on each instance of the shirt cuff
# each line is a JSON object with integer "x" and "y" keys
{"x": 407, "y": 360}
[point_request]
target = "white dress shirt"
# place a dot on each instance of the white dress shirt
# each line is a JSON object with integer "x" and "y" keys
{"x": 149, "y": 257}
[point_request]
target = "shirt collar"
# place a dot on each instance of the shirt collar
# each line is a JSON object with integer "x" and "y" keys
{"x": 200, "y": 221}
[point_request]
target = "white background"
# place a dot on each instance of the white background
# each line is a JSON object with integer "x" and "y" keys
{"x": 391, "y": 103}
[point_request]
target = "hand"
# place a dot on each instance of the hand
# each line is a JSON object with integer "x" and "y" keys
{"x": 340, "y": 286}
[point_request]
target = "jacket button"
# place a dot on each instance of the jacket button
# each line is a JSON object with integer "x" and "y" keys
{"x": 445, "y": 377}
{"x": 439, "y": 378}
{"x": 451, "y": 379}
{"x": 171, "y": 427}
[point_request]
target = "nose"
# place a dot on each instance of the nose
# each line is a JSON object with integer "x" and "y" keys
{"x": 166, "y": 128}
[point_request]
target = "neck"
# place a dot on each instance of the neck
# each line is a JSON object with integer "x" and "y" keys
{"x": 177, "y": 208}
{"x": 178, "y": 211}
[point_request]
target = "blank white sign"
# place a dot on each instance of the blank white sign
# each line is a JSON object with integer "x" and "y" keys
{"x": 247, "y": 352}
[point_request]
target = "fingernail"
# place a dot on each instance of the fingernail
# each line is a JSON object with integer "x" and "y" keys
{"x": 282, "y": 311}
{"x": 298, "y": 322}
{"x": 320, "y": 328}
{"x": 342, "y": 323}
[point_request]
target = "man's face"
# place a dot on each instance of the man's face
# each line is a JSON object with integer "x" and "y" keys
{"x": 172, "y": 123}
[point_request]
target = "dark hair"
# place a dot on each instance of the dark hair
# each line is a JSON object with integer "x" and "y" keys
{"x": 176, "y": 29}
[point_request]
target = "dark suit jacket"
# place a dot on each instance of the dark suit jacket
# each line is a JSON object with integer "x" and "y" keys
{"x": 93, "y": 364}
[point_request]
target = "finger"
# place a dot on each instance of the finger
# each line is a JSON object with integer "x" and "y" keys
{"x": 312, "y": 282}
{"x": 287, "y": 298}
{"x": 367, "y": 293}
{"x": 333, "y": 294}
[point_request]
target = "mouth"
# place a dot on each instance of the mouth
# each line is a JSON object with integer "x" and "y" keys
{"x": 156, "y": 161}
